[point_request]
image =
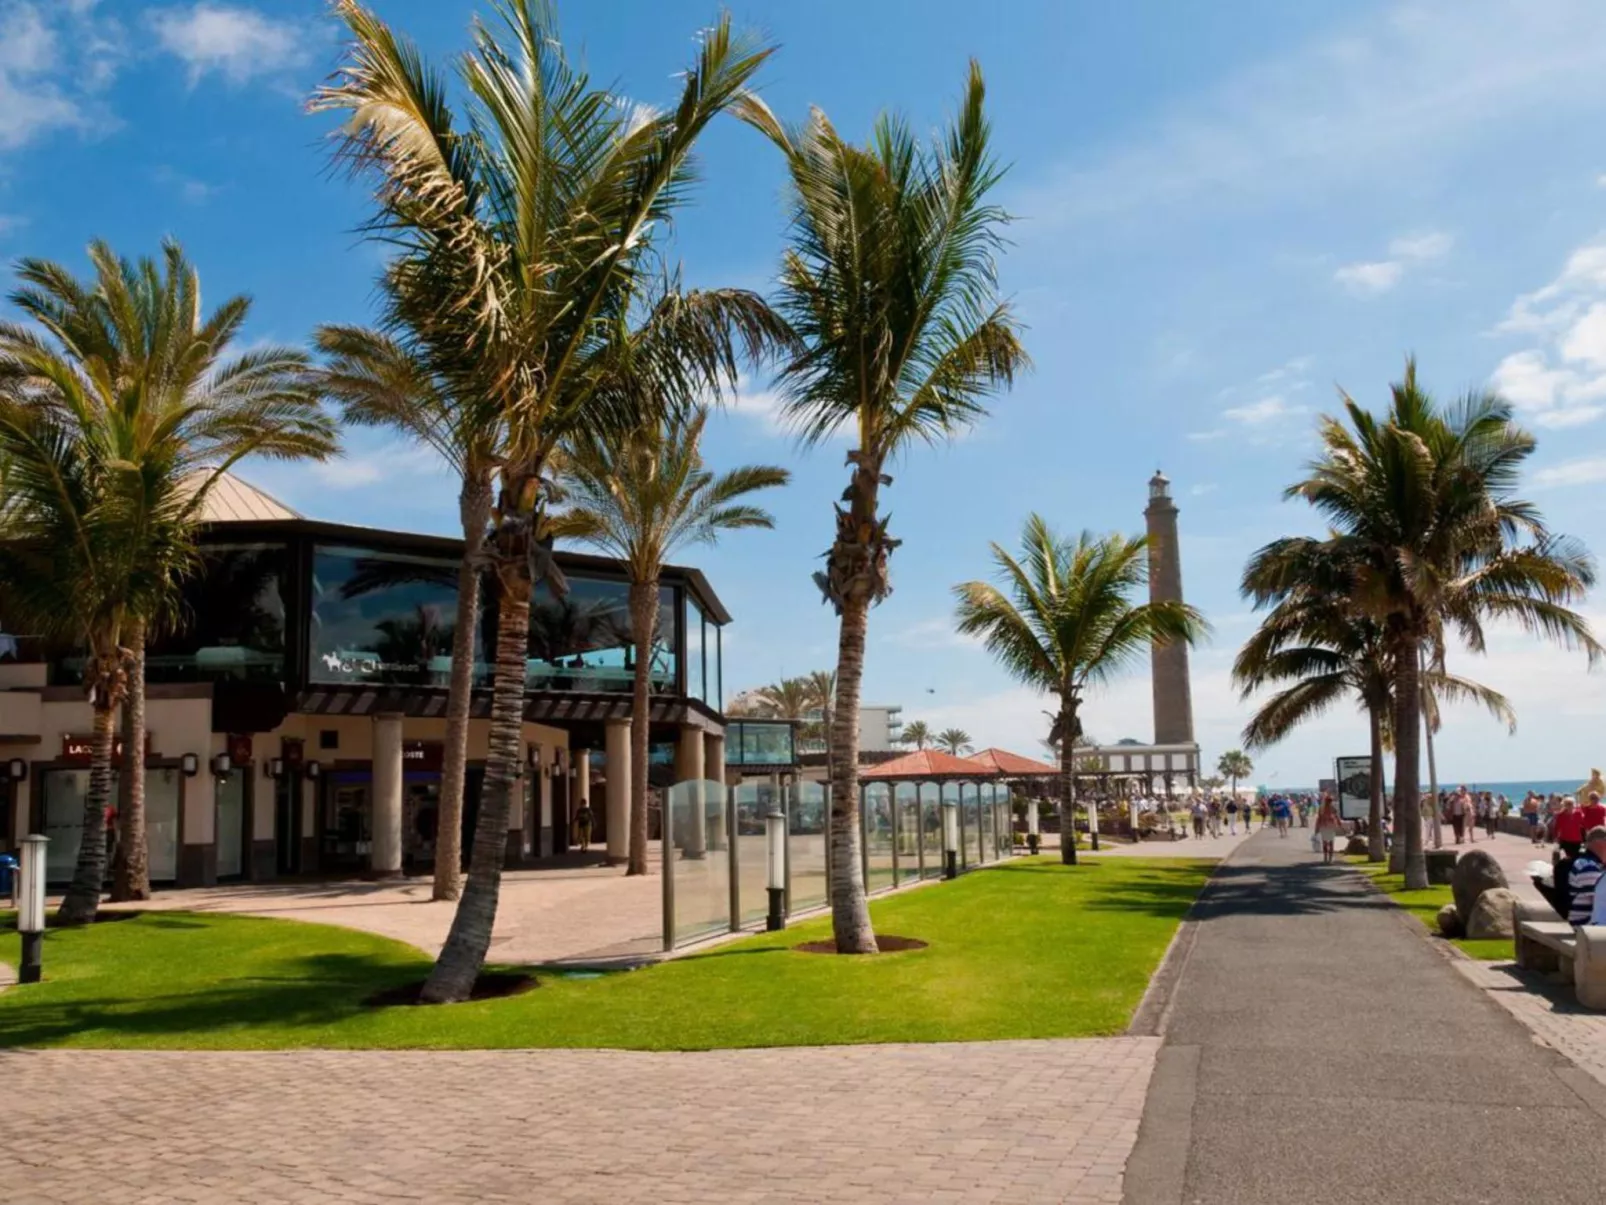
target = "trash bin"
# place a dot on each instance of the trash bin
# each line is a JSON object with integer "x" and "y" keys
{"x": 8, "y": 876}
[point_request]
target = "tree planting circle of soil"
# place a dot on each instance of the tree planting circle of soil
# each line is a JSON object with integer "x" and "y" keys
{"x": 487, "y": 987}
{"x": 885, "y": 943}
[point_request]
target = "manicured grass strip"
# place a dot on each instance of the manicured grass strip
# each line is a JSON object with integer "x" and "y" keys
{"x": 1425, "y": 905}
{"x": 1031, "y": 949}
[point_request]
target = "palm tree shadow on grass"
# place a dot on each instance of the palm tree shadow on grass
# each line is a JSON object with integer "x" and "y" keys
{"x": 314, "y": 992}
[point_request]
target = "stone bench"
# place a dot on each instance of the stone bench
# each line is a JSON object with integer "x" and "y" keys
{"x": 1568, "y": 953}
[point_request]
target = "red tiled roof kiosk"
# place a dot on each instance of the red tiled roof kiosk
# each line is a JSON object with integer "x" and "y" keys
{"x": 902, "y": 803}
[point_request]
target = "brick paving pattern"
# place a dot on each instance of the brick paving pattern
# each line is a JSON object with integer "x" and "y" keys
{"x": 1548, "y": 1010}
{"x": 973, "y": 1122}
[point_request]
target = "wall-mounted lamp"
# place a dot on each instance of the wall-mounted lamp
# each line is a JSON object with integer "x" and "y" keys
{"x": 16, "y": 769}
{"x": 312, "y": 769}
{"x": 273, "y": 767}
{"x": 534, "y": 756}
{"x": 190, "y": 764}
{"x": 222, "y": 765}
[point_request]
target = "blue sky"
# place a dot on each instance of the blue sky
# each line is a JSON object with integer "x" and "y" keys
{"x": 1222, "y": 219}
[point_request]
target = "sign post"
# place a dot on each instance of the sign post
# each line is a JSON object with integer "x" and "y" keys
{"x": 1354, "y": 775}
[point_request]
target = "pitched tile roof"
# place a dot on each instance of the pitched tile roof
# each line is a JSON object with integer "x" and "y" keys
{"x": 928, "y": 763}
{"x": 233, "y": 500}
{"x": 1006, "y": 762}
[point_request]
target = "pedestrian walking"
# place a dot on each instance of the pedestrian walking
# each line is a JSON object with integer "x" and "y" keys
{"x": 1457, "y": 809}
{"x": 1280, "y": 811}
{"x": 1232, "y": 816}
{"x": 1200, "y": 811}
{"x": 1569, "y": 827}
{"x": 1530, "y": 816}
{"x": 1328, "y": 826}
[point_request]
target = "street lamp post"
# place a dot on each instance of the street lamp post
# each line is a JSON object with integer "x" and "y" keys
{"x": 31, "y": 907}
{"x": 775, "y": 847}
{"x": 950, "y": 839}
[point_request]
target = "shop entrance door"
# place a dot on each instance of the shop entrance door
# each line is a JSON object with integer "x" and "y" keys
{"x": 287, "y": 822}
{"x": 231, "y": 822}
{"x": 421, "y": 810}
{"x": 348, "y": 823}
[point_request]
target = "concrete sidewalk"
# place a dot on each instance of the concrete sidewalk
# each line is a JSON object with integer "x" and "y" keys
{"x": 1318, "y": 1049}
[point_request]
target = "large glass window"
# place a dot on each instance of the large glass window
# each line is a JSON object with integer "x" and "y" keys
{"x": 231, "y": 621}
{"x": 584, "y": 640}
{"x": 696, "y": 687}
{"x": 758, "y": 743}
{"x": 382, "y": 617}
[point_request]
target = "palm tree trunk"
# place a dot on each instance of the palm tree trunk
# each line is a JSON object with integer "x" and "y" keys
{"x": 1067, "y": 786}
{"x": 131, "y": 869}
{"x": 1374, "y": 825}
{"x": 474, "y": 509}
{"x": 643, "y": 623}
{"x": 463, "y": 954}
{"x": 850, "y": 913}
{"x": 82, "y": 900}
{"x": 1407, "y": 748}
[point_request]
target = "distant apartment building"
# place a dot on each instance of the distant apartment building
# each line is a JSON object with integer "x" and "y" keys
{"x": 880, "y": 728}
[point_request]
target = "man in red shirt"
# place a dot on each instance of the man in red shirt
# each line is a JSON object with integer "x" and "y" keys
{"x": 1570, "y": 827}
{"x": 1593, "y": 812}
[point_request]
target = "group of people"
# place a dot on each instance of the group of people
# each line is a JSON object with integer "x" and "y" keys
{"x": 1467, "y": 811}
{"x": 1559, "y": 819}
{"x": 1213, "y": 814}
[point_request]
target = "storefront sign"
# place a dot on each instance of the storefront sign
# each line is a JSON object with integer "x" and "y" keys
{"x": 423, "y": 755}
{"x": 239, "y": 746}
{"x": 79, "y": 748}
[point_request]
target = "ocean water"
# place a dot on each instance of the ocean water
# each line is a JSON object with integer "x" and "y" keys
{"x": 1513, "y": 791}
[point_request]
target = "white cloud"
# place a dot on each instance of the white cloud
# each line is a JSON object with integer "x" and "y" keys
{"x": 1203, "y": 488}
{"x": 394, "y": 462}
{"x": 1200, "y": 437}
{"x": 1266, "y": 410}
{"x": 1434, "y": 244}
{"x": 240, "y": 44}
{"x": 1293, "y": 370}
{"x": 934, "y": 633}
{"x": 1418, "y": 82}
{"x": 1370, "y": 278}
{"x": 1589, "y": 470}
{"x": 1379, "y": 276}
{"x": 189, "y": 189}
{"x": 10, "y": 222}
{"x": 1562, "y": 382}
{"x": 54, "y": 59}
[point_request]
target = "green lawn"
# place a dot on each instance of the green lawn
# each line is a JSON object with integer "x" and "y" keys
{"x": 1031, "y": 949}
{"x": 1425, "y": 905}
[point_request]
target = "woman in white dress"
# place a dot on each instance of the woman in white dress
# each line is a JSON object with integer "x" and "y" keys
{"x": 1328, "y": 826}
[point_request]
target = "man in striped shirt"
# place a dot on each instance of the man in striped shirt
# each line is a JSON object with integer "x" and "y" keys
{"x": 1583, "y": 880}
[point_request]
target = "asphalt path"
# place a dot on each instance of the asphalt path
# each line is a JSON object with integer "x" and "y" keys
{"x": 1317, "y": 1048}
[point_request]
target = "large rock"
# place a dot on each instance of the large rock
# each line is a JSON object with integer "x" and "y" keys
{"x": 1357, "y": 845}
{"x": 1441, "y": 865}
{"x": 1492, "y": 915}
{"x": 1449, "y": 921}
{"x": 1475, "y": 873}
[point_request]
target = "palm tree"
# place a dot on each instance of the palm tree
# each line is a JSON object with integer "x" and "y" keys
{"x": 115, "y": 423}
{"x": 890, "y": 282}
{"x": 954, "y": 740}
{"x": 1234, "y": 764}
{"x": 788, "y": 699}
{"x": 1426, "y": 521}
{"x": 640, "y": 499}
{"x": 1312, "y": 641}
{"x": 917, "y": 733}
{"x": 522, "y": 240}
{"x": 385, "y": 379}
{"x": 1067, "y": 622}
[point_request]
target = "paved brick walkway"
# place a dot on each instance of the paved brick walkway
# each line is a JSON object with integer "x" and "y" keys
{"x": 975, "y": 1122}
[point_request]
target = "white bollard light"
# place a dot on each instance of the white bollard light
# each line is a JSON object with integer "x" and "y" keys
{"x": 1032, "y": 831}
{"x": 31, "y": 906}
{"x": 775, "y": 848}
{"x": 950, "y": 839}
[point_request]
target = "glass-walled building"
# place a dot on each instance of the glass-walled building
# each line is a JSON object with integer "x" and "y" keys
{"x": 307, "y": 672}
